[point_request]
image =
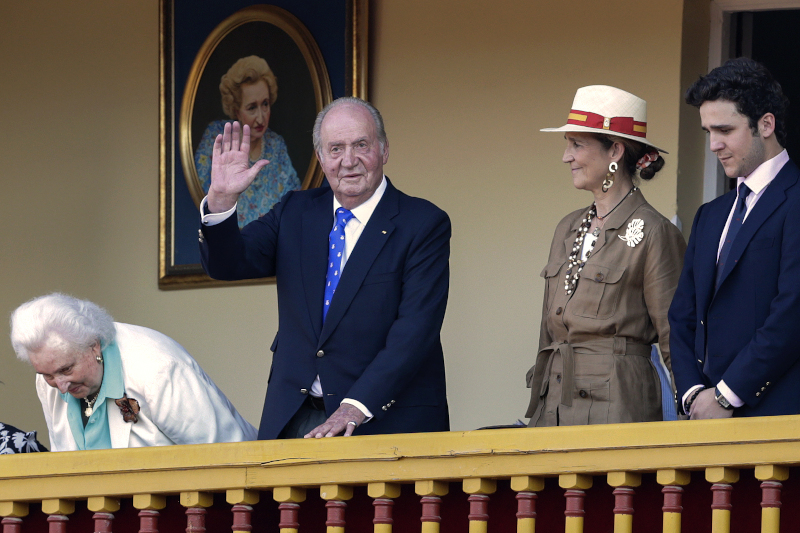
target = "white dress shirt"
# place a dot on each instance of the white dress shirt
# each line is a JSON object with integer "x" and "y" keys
{"x": 757, "y": 182}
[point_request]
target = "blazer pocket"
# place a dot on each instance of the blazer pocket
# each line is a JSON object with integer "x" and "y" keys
{"x": 760, "y": 244}
{"x": 598, "y": 292}
{"x": 382, "y": 278}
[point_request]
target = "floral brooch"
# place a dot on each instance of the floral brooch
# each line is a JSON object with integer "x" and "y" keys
{"x": 129, "y": 408}
{"x": 634, "y": 234}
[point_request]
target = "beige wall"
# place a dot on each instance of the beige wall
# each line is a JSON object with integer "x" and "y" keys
{"x": 464, "y": 87}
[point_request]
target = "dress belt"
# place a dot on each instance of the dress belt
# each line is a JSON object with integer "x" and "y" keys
{"x": 544, "y": 360}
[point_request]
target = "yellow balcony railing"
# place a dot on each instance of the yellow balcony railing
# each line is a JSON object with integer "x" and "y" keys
{"x": 699, "y": 476}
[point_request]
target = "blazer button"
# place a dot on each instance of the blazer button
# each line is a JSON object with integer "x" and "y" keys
{"x": 762, "y": 389}
{"x": 320, "y": 353}
{"x": 583, "y": 394}
{"x": 767, "y": 383}
{"x": 598, "y": 276}
{"x": 758, "y": 394}
{"x": 303, "y": 391}
{"x": 702, "y": 323}
{"x": 559, "y": 311}
{"x": 700, "y": 361}
{"x": 391, "y": 403}
{"x": 384, "y": 408}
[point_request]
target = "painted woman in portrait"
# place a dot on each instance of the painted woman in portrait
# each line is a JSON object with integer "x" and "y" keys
{"x": 248, "y": 90}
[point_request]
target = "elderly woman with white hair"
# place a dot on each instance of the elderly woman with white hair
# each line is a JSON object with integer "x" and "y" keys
{"x": 104, "y": 384}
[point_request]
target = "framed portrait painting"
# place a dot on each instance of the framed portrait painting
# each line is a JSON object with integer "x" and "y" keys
{"x": 270, "y": 66}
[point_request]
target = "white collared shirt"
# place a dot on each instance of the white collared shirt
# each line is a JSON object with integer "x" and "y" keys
{"x": 757, "y": 182}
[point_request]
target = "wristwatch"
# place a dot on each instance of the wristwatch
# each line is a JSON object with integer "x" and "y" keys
{"x": 721, "y": 399}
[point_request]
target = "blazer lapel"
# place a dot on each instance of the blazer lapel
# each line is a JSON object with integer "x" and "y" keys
{"x": 774, "y": 196}
{"x": 708, "y": 245}
{"x": 372, "y": 240}
{"x": 317, "y": 224}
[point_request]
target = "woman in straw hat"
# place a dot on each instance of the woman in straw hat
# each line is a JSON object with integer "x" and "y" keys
{"x": 610, "y": 276}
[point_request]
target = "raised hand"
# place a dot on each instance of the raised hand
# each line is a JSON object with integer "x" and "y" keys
{"x": 231, "y": 172}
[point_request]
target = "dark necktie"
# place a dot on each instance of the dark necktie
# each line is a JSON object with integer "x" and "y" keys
{"x": 736, "y": 224}
{"x": 335, "y": 250}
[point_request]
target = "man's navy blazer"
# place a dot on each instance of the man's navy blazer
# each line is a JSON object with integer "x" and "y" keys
{"x": 748, "y": 333}
{"x": 380, "y": 343}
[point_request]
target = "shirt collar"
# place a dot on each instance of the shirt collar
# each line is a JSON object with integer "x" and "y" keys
{"x": 764, "y": 173}
{"x": 364, "y": 211}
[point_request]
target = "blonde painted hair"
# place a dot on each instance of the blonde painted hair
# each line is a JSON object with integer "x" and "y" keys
{"x": 250, "y": 69}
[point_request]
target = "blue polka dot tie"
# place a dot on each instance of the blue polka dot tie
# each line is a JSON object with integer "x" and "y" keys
{"x": 737, "y": 220}
{"x": 335, "y": 250}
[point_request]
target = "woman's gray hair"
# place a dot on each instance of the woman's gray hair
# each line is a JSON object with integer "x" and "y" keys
{"x": 60, "y": 322}
{"x": 376, "y": 117}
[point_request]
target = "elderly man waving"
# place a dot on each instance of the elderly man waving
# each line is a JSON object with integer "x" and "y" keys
{"x": 362, "y": 275}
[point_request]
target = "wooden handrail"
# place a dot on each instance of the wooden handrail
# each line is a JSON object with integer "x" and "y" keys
{"x": 406, "y": 458}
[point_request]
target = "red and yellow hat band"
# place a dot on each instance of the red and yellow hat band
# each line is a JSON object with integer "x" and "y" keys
{"x": 625, "y": 125}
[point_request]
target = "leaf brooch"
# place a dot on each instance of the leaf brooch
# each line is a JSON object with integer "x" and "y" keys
{"x": 634, "y": 234}
{"x": 129, "y": 408}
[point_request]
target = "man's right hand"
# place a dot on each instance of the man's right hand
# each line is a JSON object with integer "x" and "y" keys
{"x": 231, "y": 172}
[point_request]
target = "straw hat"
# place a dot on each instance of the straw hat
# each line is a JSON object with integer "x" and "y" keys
{"x": 610, "y": 111}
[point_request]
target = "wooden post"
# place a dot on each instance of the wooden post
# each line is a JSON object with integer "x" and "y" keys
{"x": 383, "y": 495}
{"x": 673, "y": 496}
{"x": 575, "y": 485}
{"x": 721, "y": 477}
{"x": 104, "y": 509}
{"x": 58, "y": 510}
{"x": 149, "y": 505}
{"x": 624, "y": 482}
{"x": 12, "y": 525}
{"x": 479, "y": 490}
{"x": 102, "y": 522}
{"x": 148, "y": 521}
{"x": 770, "y": 477}
{"x": 242, "y": 500}
{"x": 526, "y": 488}
{"x": 289, "y": 499}
{"x": 431, "y": 492}
{"x": 195, "y": 520}
{"x": 12, "y": 513}
{"x": 335, "y": 496}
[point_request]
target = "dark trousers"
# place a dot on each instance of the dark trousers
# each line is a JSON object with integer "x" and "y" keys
{"x": 310, "y": 415}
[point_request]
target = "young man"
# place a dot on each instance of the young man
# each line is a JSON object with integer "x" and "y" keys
{"x": 737, "y": 307}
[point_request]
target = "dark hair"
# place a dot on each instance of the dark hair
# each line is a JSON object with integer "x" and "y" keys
{"x": 750, "y": 86}
{"x": 634, "y": 151}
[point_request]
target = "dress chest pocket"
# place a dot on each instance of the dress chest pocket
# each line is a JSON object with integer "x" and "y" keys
{"x": 551, "y": 280}
{"x": 598, "y": 292}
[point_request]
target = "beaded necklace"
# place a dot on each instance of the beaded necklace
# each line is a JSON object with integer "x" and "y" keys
{"x": 574, "y": 260}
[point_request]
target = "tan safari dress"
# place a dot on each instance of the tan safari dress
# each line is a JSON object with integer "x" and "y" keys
{"x": 593, "y": 365}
